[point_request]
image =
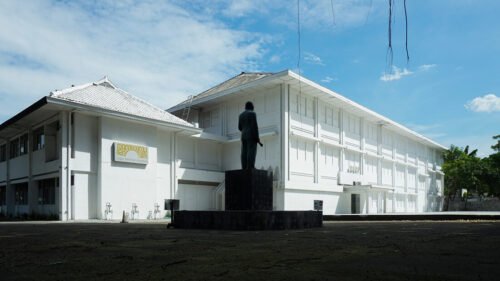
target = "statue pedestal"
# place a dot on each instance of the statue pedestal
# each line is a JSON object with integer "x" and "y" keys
{"x": 249, "y": 190}
{"x": 249, "y": 206}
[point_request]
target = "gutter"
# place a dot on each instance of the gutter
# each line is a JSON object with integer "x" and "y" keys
{"x": 38, "y": 104}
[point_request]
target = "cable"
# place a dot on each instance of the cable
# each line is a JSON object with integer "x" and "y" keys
{"x": 406, "y": 34}
{"x": 389, "y": 48}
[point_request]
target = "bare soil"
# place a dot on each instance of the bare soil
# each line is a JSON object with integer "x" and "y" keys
{"x": 338, "y": 251}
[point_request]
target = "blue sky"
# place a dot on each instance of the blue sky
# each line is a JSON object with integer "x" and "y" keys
{"x": 163, "y": 51}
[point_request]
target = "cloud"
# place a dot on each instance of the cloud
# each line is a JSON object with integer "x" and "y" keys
{"x": 275, "y": 59}
{"x": 240, "y": 8}
{"x": 328, "y": 79}
{"x": 396, "y": 74}
{"x": 313, "y": 59}
{"x": 317, "y": 15}
{"x": 431, "y": 131}
{"x": 486, "y": 103}
{"x": 425, "y": 67}
{"x": 152, "y": 49}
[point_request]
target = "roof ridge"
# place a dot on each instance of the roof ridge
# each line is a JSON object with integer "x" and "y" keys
{"x": 230, "y": 79}
{"x": 106, "y": 83}
{"x": 101, "y": 81}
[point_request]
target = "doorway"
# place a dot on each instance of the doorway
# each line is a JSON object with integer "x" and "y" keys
{"x": 355, "y": 204}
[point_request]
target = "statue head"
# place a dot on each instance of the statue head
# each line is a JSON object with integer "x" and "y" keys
{"x": 249, "y": 105}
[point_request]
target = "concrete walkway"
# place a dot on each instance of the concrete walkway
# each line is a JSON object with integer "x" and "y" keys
{"x": 431, "y": 216}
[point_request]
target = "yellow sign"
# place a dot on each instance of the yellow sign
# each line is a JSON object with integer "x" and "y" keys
{"x": 130, "y": 153}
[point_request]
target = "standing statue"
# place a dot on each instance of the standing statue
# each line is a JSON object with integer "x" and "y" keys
{"x": 247, "y": 124}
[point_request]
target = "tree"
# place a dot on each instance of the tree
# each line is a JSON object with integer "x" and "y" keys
{"x": 491, "y": 165}
{"x": 463, "y": 170}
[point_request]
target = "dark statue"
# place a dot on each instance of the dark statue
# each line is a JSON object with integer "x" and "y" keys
{"x": 247, "y": 124}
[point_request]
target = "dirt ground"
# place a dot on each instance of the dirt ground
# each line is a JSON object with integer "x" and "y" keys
{"x": 338, "y": 251}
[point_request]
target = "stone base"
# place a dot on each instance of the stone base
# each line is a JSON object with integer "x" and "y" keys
{"x": 247, "y": 220}
{"x": 250, "y": 189}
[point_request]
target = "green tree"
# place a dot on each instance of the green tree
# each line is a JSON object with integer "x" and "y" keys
{"x": 463, "y": 170}
{"x": 491, "y": 165}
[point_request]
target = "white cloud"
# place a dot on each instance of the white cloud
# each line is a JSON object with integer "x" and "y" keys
{"x": 318, "y": 14}
{"x": 313, "y": 59}
{"x": 240, "y": 8}
{"x": 313, "y": 14}
{"x": 425, "y": 67}
{"x": 153, "y": 49}
{"x": 275, "y": 59}
{"x": 432, "y": 131}
{"x": 396, "y": 74}
{"x": 328, "y": 79}
{"x": 486, "y": 103}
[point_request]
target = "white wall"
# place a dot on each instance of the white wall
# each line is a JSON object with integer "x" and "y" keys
{"x": 85, "y": 143}
{"x": 123, "y": 184}
{"x": 333, "y": 203}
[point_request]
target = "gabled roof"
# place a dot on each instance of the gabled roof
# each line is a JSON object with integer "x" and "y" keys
{"x": 238, "y": 80}
{"x": 103, "y": 94}
{"x": 256, "y": 80}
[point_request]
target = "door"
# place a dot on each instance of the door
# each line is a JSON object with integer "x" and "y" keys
{"x": 355, "y": 204}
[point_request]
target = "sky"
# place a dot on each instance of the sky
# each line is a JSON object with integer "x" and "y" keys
{"x": 163, "y": 51}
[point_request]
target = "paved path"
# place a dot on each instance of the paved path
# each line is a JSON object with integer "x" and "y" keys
{"x": 468, "y": 250}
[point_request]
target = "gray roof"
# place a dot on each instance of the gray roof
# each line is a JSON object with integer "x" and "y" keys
{"x": 238, "y": 80}
{"x": 103, "y": 94}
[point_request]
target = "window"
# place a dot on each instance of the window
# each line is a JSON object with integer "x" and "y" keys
{"x": 14, "y": 148}
{"x": 352, "y": 159}
{"x": 3, "y": 195}
{"x": 21, "y": 194}
{"x": 3, "y": 153}
{"x": 51, "y": 141}
{"x": 18, "y": 146}
{"x": 23, "y": 144}
{"x": 47, "y": 191}
{"x": 38, "y": 139}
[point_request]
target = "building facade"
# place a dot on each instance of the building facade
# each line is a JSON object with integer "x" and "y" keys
{"x": 323, "y": 147}
{"x": 94, "y": 151}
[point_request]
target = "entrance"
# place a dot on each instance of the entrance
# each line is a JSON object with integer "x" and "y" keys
{"x": 355, "y": 204}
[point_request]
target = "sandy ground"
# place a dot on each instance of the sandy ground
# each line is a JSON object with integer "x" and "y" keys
{"x": 338, "y": 251}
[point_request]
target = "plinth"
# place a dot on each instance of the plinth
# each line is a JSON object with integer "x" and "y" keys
{"x": 250, "y": 189}
{"x": 249, "y": 206}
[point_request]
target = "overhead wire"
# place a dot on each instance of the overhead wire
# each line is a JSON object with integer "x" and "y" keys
{"x": 389, "y": 55}
{"x": 406, "y": 33}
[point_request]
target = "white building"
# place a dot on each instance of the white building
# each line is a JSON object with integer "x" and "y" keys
{"x": 82, "y": 152}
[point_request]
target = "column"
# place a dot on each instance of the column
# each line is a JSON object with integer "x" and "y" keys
{"x": 285, "y": 130}
{"x": 65, "y": 171}
{"x": 99, "y": 175}
{"x": 316, "y": 143}
{"x": 32, "y": 187}
{"x": 173, "y": 165}
{"x": 362, "y": 147}
{"x": 342, "y": 165}
{"x": 379, "y": 153}
{"x": 9, "y": 189}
